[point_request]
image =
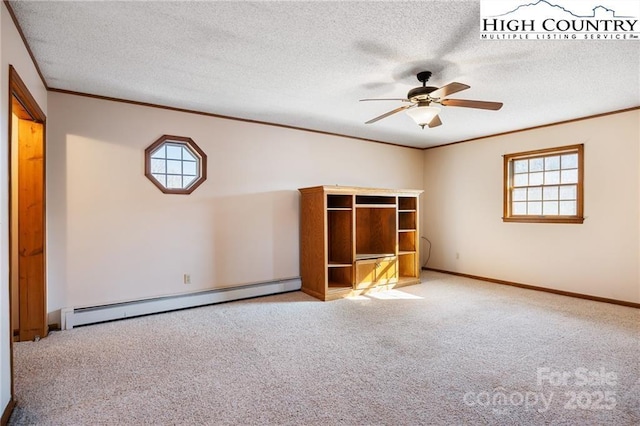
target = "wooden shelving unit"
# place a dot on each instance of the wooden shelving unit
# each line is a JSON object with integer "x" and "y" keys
{"x": 356, "y": 240}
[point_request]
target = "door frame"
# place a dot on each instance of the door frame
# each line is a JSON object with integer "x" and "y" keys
{"x": 24, "y": 106}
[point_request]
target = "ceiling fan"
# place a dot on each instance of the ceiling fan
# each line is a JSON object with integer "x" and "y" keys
{"x": 422, "y": 98}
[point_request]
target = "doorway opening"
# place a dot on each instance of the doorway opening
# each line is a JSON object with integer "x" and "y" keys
{"x": 28, "y": 295}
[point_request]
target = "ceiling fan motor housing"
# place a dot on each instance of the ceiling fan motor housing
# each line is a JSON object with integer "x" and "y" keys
{"x": 420, "y": 93}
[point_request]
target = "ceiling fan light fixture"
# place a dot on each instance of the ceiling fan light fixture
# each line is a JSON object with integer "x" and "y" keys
{"x": 423, "y": 115}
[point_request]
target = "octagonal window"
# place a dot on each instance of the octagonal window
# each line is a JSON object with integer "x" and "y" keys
{"x": 175, "y": 164}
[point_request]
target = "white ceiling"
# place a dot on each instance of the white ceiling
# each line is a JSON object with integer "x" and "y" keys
{"x": 306, "y": 64}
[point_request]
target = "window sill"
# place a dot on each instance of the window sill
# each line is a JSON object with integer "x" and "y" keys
{"x": 544, "y": 219}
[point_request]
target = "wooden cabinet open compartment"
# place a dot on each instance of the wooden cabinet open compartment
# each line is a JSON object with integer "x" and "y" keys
{"x": 375, "y": 231}
{"x": 408, "y": 239}
{"x": 407, "y": 221}
{"x": 339, "y": 237}
{"x": 356, "y": 240}
{"x": 372, "y": 200}
{"x": 337, "y": 201}
{"x": 407, "y": 203}
{"x": 339, "y": 244}
{"x": 408, "y": 265}
{"x": 339, "y": 277}
{"x": 406, "y": 242}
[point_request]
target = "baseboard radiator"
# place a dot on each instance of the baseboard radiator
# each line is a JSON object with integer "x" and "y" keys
{"x": 73, "y": 317}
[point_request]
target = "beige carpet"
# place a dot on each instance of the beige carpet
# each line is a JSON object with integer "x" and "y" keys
{"x": 448, "y": 351}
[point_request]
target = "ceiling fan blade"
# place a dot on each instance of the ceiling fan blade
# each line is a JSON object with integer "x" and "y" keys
{"x": 380, "y": 117}
{"x": 386, "y": 99}
{"x": 435, "y": 122}
{"x": 449, "y": 89}
{"x": 472, "y": 104}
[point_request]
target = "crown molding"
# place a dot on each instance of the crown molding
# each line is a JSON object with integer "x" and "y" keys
{"x": 224, "y": 117}
{"x": 526, "y": 129}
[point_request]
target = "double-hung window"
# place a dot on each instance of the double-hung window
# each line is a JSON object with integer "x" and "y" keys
{"x": 544, "y": 185}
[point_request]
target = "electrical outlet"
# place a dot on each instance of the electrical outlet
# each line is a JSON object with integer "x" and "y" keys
{"x": 187, "y": 278}
{"x": 457, "y": 255}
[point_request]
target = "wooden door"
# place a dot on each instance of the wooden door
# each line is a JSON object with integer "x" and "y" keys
{"x": 31, "y": 231}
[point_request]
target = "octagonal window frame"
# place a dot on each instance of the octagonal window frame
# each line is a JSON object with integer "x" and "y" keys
{"x": 185, "y": 143}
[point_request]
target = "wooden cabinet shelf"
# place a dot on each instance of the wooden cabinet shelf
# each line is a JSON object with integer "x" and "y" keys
{"x": 355, "y": 240}
{"x": 364, "y": 256}
{"x": 377, "y": 206}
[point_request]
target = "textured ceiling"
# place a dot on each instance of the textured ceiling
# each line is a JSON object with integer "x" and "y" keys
{"x": 306, "y": 64}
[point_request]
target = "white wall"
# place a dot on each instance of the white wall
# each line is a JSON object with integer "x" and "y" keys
{"x": 12, "y": 52}
{"x": 463, "y": 209}
{"x": 113, "y": 236}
